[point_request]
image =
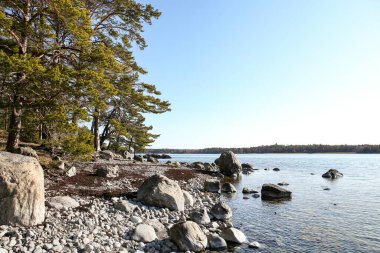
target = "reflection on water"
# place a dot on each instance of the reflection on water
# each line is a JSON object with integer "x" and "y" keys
{"x": 345, "y": 218}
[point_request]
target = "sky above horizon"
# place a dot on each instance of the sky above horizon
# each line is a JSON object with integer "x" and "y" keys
{"x": 247, "y": 73}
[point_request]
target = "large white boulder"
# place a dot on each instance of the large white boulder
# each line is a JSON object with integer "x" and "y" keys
{"x": 159, "y": 190}
{"x": 22, "y": 192}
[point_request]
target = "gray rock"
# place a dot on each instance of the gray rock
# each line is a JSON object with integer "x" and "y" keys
{"x": 106, "y": 154}
{"x": 159, "y": 190}
{"x": 283, "y": 184}
{"x": 254, "y": 245}
{"x": 60, "y": 202}
{"x": 108, "y": 171}
{"x": 272, "y": 191}
{"x": 247, "y": 167}
{"x": 71, "y": 172}
{"x": 200, "y": 216}
{"x": 221, "y": 211}
{"x": 159, "y": 228}
{"x": 27, "y": 151}
{"x": 152, "y": 159}
{"x": 127, "y": 155}
{"x": 189, "y": 200}
{"x": 138, "y": 158}
{"x": 233, "y": 235}
{"x": 144, "y": 233}
{"x": 276, "y": 169}
{"x": 247, "y": 190}
{"x": 332, "y": 174}
{"x": 188, "y": 236}
{"x": 136, "y": 219}
{"x": 212, "y": 185}
{"x": 215, "y": 242}
{"x": 125, "y": 206}
{"x": 228, "y": 188}
{"x": 228, "y": 164}
{"x": 22, "y": 192}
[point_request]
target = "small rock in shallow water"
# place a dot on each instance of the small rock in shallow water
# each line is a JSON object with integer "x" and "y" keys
{"x": 233, "y": 235}
{"x": 326, "y": 189}
{"x": 245, "y": 197}
{"x": 283, "y": 184}
{"x": 276, "y": 169}
{"x": 254, "y": 245}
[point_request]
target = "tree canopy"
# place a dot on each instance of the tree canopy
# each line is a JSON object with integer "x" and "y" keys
{"x": 67, "y": 62}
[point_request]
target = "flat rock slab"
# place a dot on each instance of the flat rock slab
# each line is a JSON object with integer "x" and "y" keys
{"x": 60, "y": 202}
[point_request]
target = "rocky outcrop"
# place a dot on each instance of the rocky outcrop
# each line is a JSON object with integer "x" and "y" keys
{"x": 215, "y": 242}
{"x": 144, "y": 233}
{"x": 332, "y": 174}
{"x": 22, "y": 193}
{"x": 272, "y": 191}
{"x": 188, "y": 236}
{"x": 233, "y": 235}
{"x": 212, "y": 185}
{"x": 228, "y": 164}
{"x": 228, "y": 188}
{"x": 108, "y": 171}
{"x": 60, "y": 202}
{"x": 159, "y": 190}
{"x": 221, "y": 211}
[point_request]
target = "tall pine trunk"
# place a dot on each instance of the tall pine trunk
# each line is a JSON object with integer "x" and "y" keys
{"x": 96, "y": 130}
{"x": 14, "y": 127}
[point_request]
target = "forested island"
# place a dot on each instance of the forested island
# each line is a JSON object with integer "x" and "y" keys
{"x": 314, "y": 148}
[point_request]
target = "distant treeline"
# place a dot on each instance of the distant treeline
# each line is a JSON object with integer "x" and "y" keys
{"x": 362, "y": 149}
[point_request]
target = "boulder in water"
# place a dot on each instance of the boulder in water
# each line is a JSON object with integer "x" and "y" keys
{"x": 272, "y": 191}
{"x": 233, "y": 235}
{"x": 228, "y": 188}
{"x": 228, "y": 164}
{"x": 332, "y": 174}
{"x": 215, "y": 242}
{"x": 221, "y": 211}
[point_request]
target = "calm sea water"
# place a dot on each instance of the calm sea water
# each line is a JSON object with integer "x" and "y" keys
{"x": 344, "y": 219}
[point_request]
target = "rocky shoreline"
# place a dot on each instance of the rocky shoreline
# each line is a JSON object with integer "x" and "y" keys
{"x": 122, "y": 205}
{"x": 86, "y": 212}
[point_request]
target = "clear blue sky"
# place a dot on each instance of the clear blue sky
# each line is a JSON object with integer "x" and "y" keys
{"x": 245, "y": 73}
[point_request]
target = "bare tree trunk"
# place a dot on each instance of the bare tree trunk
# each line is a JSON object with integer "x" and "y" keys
{"x": 14, "y": 128}
{"x": 96, "y": 130}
